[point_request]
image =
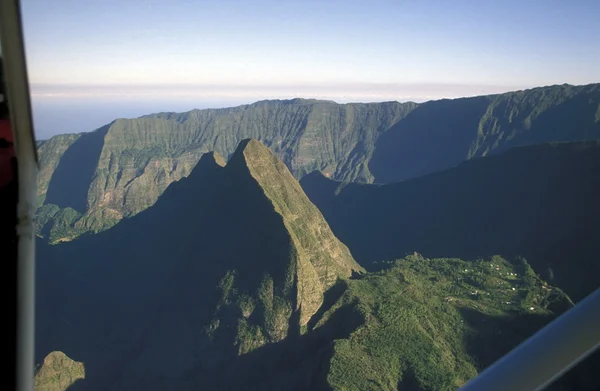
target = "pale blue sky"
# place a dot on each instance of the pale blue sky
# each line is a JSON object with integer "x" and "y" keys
{"x": 180, "y": 54}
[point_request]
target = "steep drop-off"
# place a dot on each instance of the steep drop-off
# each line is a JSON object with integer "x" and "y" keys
{"x": 440, "y": 134}
{"x": 134, "y": 160}
{"x": 539, "y": 202}
{"x": 127, "y": 164}
{"x": 230, "y": 259}
{"x": 234, "y": 280}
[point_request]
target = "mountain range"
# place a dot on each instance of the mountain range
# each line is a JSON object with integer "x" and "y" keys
{"x": 304, "y": 244}
{"x": 234, "y": 280}
{"x": 227, "y": 260}
{"x": 88, "y": 182}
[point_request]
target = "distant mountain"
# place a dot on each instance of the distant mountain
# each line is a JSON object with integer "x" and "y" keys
{"x": 441, "y": 134}
{"x": 539, "y": 202}
{"x": 89, "y": 182}
{"x": 98, "y": 178}
{"x": 230, "y": 259}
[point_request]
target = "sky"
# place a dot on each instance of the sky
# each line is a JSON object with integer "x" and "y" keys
{"x": 93, "y": 61}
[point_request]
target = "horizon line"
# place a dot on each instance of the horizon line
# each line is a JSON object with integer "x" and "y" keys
{"x": 337, "y": 92}
{"x": 240, "y": 95}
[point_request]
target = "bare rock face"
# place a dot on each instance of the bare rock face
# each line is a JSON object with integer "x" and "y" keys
{"x": 319, "y": 257}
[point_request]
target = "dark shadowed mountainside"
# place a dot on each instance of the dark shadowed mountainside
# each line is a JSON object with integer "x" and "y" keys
{"x": 230, "y": 259}
{"x": 440, "y": 134}
{"x": 233, "y": 280}
{"x": 538, "y": 202}
{"x": 420, "y": 324}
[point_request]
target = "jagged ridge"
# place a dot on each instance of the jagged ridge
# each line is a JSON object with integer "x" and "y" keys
{"x": 321, "y": 258}
{"x": 129, "y": 163}
{"x": 229, "y": 259}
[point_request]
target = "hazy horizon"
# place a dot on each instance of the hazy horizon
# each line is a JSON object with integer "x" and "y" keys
{"x": 91, "y": 62}
{"x": 58, "y": 114}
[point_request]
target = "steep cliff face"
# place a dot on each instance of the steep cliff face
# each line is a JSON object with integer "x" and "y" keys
{"x": 320, "y": 258}
{"x": 141, "y": 157}
{"x": 50, "y": 152}
{"x": 233, "y": 280}
{"x": 122, "y": 168}
{"x": 440, "y": 134}
{"x": 134, "y": 160}
{"x": 229, "y": 259}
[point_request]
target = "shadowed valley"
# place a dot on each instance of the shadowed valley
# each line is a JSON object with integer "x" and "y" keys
{"x": 537, "y": 202}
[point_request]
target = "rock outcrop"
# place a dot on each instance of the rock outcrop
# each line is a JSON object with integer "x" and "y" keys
{"x": 57, "y": 373}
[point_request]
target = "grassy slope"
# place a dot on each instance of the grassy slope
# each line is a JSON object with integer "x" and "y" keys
{"x": 420, "y": 330}
{"x": 57, "y": 373}
{"x": 418, "y": 324}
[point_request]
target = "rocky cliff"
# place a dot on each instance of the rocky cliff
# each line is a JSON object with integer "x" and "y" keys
{"x": 91, "y": 181}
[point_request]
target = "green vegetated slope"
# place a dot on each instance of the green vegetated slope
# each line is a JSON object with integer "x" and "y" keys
{"x": 121, "y": 169}
{"x": 229, "y": 259}
{"x": 57, "y": 373}
{"x": 539, "y": 202}
{"x": 233, "y": 280}
{"x": 431, "y": 324}
{"x": 418, "y": 324}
